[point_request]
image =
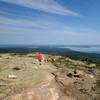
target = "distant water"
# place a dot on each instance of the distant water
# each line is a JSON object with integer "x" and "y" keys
{"x": 81, "y": 48}
{"x": 88, "y": 49}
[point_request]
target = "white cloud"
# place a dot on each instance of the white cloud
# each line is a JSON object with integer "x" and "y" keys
{"x": 49, "y": 6}
{"x": 36, "y": 23}
{"x": 25, "y": 23}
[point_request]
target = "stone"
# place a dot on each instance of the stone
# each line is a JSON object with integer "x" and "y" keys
{"x": 64, "y": 80}
{"x": 92, "y": 65}
{"x": 79, "y": 73}
{"x": 12, "y": 76}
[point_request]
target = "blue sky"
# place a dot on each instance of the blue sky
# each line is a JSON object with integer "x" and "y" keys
{"x": 49, "y": 22}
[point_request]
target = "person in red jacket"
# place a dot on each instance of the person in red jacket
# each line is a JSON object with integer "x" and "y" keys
{"x": 40, "y": 57}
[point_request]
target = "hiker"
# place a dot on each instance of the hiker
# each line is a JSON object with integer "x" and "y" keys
{"x": 40, "y": 57}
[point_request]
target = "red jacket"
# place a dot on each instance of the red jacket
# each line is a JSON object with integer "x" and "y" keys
{"x": 40, "y": 56}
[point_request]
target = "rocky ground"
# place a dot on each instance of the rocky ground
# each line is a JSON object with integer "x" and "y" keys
{"x": 57, "y": 78}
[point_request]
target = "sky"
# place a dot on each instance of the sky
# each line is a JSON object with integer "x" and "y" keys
{"x": 49, "y": 22}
